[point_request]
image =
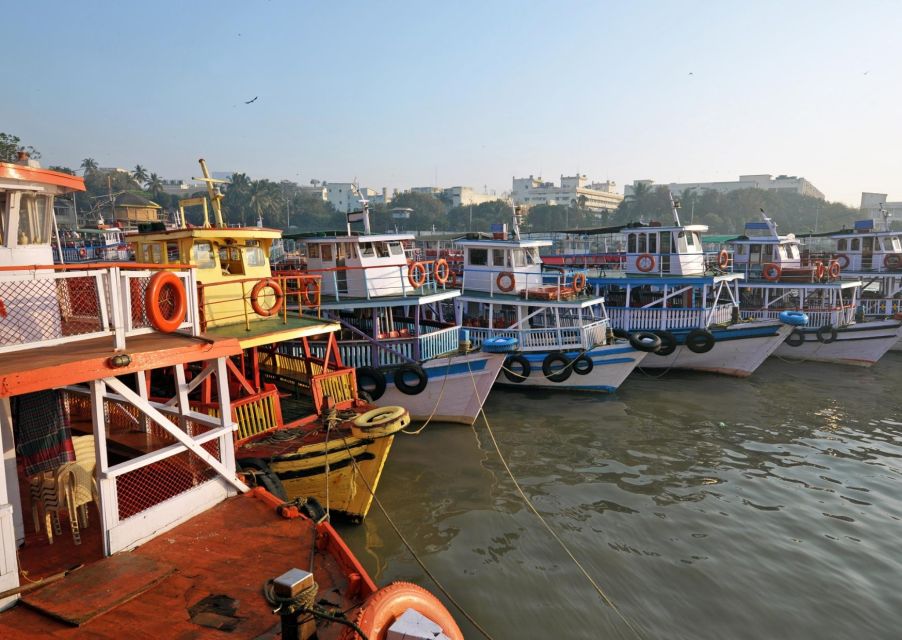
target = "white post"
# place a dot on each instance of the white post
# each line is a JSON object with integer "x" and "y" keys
{"x": 109, "y": 502}
{"x": 226, "y": 443}
{"x": 9, "y": 481}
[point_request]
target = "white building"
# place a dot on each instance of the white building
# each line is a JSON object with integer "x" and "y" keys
{"x": 456, "y": 196}
{"x": 574, "y": 191}
{"x": 872, "y": 203}
{"x": 763, "y": 181}
{"x": 346, "y": 196}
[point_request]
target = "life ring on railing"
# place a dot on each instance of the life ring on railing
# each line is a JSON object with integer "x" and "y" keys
{"x": 834, "y": 270}
{"x": 310, "y": 292}
{"x": 772, "y": 271}
{"x": 508, "y": 279}
{"x": 82, "y": 253}
{"x": 370, "y": 381}
{"x": 405, "y": 387}
{"x": 384, "y": 607}
{"x": 255, "y": 297}
{"x": 645, "y": 262}
{"x": 166, "y": 288}
{"x": 579, "y": 282}
{"x": 892, "y": 260}
{"x": 843, "y": 260}
{"x": 416, "y": 275}
{"x": 819, "y": 269}
{"x": 723, "y": 259}
{"x": 441, "y": 271}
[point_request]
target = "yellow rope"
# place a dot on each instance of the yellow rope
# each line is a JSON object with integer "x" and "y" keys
{"x": 437, "y": 403}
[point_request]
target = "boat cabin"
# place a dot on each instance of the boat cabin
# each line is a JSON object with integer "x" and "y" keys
{"x": 864, "y": 248}
{"x": 502, "y": 266}
{"x": 661, "y": 250}
{"x": 361, "y": 266}
{"x": 761, "y": 246}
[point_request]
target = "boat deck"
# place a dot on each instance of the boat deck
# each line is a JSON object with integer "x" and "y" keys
{"x": 270, "y": 330}
{"x": 229, "y": 551}
{"x": 86, "y": 360}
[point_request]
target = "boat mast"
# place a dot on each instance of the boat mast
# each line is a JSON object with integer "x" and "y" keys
{"x": 675, "y": 208}
{"x": 212, "y": 192}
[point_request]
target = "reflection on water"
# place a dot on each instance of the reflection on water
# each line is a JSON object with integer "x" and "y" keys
{"x": 706, "y": 507}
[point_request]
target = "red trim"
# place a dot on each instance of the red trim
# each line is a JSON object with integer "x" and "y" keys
{"x": 42, "y": 176}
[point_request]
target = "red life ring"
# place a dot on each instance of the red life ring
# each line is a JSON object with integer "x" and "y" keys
{"x": 892, "y": 260}
{"x": 772, "y": 271}
{"x": 310, "y": 292}
{"x": 383, "y": 608}
{"x": 579, "y": 281}
{"x": 441, "y": 271}
{"x": 843, "y": 260}
{"x": 819, "y": 270}
{"x": 255, "y": 297}
{"x": 82, "y": 253}
{"x": 723, "y": 259}
{"x": 645, "y": 262}
{"x": 165, "y": 285}
{"x": 834, "y": 270}
{"x": 508, "y": 277}
{"x": 416, "y": 275}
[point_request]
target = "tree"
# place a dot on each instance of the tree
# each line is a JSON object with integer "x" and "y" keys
{"x": 140, "y": 174}
{"x": 314, "y": 182}
{"x": 428, "y": 211}
{"x": 10, "y": 148}
{"x": 265, "y": 201}
{"x": 89, "y": 165}
{"x": 154, "y": 185}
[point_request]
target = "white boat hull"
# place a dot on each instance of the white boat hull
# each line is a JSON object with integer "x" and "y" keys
{"x": 612, "y": 363}
{"x": 861, "y": 344}
{"x": 738, "y": 350}
{"x": 456, "y": 389}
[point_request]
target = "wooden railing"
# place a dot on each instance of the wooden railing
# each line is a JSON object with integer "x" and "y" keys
{"x": 254, "y": 414}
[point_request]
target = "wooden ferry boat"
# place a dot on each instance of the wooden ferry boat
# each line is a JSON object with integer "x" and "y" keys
{"x": 75, "y": 358}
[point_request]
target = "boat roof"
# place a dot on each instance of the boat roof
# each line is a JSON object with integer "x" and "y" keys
{"x": 418, "y": 298}
{"x": 210, "y": 233}
{"x": 504, "y": 244}
{"x": 381, "y": 237}
{"x": 639, "y": 279}
{"x": 57, "y": 181}
{"x": 516, "y": 300}
{"x": 632, "y": 226}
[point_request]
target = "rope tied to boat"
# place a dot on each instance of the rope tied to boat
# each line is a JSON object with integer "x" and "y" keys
{"x": 441, "y": 394}
{"x": 305, "y": 603}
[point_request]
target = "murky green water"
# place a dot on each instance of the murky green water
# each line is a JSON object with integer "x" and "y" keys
{"x": 705, "y": 507}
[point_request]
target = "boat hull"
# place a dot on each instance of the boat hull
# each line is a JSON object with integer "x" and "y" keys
{"x": 861, "y": 344}
{"x": 456, "y": 389}
{"x": 612, "y": 363}
{"x": 738, "y": 350}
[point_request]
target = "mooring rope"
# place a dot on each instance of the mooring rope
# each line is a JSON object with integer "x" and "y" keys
{"x": 441, "y": 394}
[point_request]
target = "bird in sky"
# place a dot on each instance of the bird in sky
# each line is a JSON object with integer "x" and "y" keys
{"x": 251, "y": 100}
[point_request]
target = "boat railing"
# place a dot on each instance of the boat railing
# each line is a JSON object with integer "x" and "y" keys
{"x": 311, "y": 374}
{"x": 554, "y": 338}
{"x": 817, "y": 316}
{"x": 247, "y": 300}
{"x": 393, "y": 349}
{"x": 42, "y": 306}
{"x": 254, "y": 415}
{"x": 880, "y": 306}
{"x": 657, "y": 318}
{"x": 554, "y": 283}
{"x": 411, "y": 278}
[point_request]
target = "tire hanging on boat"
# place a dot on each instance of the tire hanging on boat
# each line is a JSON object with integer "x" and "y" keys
{"x": 404, "y": 386}
{"x": 645, "y": 341}
{"x": 370, "y": 381}
{"x": 700, "y": 341}
{"x": 263, "y": 476}
{"x": 548, "y": 364}
{"x": 668, "y": 343}
{"x": 621, "y": 333}
{"x": 511, "y": 374}
{"x": 583, "y": 365}
{"x": 796, "y": 338}
{"x": 826, "y": 334}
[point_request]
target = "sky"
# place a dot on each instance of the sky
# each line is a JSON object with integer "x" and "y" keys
{"x": 423, "y": 93}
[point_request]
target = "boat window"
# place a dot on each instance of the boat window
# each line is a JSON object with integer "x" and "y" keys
{"x": 896, "y": 246}
{"x": 643, "y": 243}
{"x": 34, "y": 219}
{"x": 156, "y": 253}
{"x": 754, "y": 253}
{"x": 631, "y": 243}
{"x": 367, "y": 250}
{"x": 396, "y": 249}
{"x": 313, "y": 251}
{"x": 479, "y": 257}
{"x": 172, "y": 252}
{"x": 652, "y": 242}
{"x": 856, "y": 244}
{"x": 202, "y": 255}
{"x": 768, "y": 252}
{"x": 740, "y": 250}
{"x": 520, "y": 256}
{"x": 230, "y": 261}
{"x": 254, "y": 257}
{"x": 841, "y": 244}
{"x": 327, "y": 252}
{"x": 681, "y": 242}
{"x": 498, "y": 258}
{"x": 781, "y": 251}
{"x": 532, "y": 256}
{"x": 694, "y": 240}
{"x": 793, "y": 251}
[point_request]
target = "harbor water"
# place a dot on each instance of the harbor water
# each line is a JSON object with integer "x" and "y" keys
{"x": 703, "y": 506}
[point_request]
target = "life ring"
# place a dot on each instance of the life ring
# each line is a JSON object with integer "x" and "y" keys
{"x": 645, "y": 262}
{"x": 509, "y": 280}
{"x": 383, "y": 608}
{"x": 153, "y": 301}
{"x": 819, "y": 270}
{"x": 892, "y": 260}
{"x": 794, "y": 318}
{"x": 843, "y": 259}
{"x": 405, "y": 387}
{"x": 548, "y": 364}
{"x": 826, "y": 334}
{"x": 379, "y": 417}
{"x": 796, "y": 338}
{"x": 668, "y": 343}
{"x": 310, "y": 292}
{"x": 441, "y": 271}
{"x": 370, "y": 381}
{"x": 513, "y": 375}
{"x": 723, "y": 259}
{"x": 583, "y": 365}
{"x": 579, "y": 282}
{"x": 645, "y": 341}
{"x": 266, "y": 283}
{"x": 416, "y": 275}
{"x": 834, "y": 270}
{"x": 500, "y": 344}
{"x": 772, "y": 271}
{"x": 263, "y": 476}
{"x": 700, "y": 341}
{"x": 82, "y": 253}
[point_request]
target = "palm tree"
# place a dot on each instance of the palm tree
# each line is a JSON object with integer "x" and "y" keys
{"x": 637, "y": 201}
{"x": 139, "y": 174}
{"x": 264, "y": 196}
{"x": 89, "y": 165}
{"x": 154, "y": 184}
{"x": 314, "y": 182}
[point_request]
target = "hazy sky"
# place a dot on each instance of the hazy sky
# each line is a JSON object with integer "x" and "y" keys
{"x": 402, "y": 94}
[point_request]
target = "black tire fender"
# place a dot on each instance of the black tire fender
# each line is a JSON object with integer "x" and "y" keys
{"x": 404, "y": 386}
{"x": 370, "y": 381}
{"x": 826, "y": 334}
{"x": 583, "y": 365}
{"x": 668, "y": 343}
{"x": 549, "y": 362}
{"x": 796, "y": 338}
{"x": 700, "y": 341}
{"x": 645, "y": 341}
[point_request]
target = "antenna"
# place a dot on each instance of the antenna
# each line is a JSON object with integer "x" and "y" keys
{"x": 674, "y": 206}
{"x": 365, "y": 209}
{"x": 886, "y": 216}
{"x": 214, "y": 193}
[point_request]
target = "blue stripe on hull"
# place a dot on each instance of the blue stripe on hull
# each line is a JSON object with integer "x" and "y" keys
{"x": 441, "y": 371}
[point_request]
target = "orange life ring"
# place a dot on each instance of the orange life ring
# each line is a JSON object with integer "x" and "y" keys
{"x": 310, "y": 292}
{"x": 843, "y": 260}
{"x": 255, "y": 297}
{"x": 892, "y": 260}
{"x": 645, "y": 262}
{"x": 441, "y": 271}
{"x": 417, "y": 281}
{"x": 723, "y": 259}
{"x": 772, "y": 271}
{"x": 579, "y": 281}
{"x": 160, "y": 282}
{"x": 82, "y": 253}
{"x": 380, "y": 610}
{"x": 819, "y": 269}
{"x": 834, "y": 270}
{"x": 506, "y": 276}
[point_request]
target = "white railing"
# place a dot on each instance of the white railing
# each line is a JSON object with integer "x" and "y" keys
{"x": 390, "y": 351}
{"x": 880, "y": 306}
{"x": 816, "y": 317}
{"x": 633, "y": 319}
{"x": 583, "y": 337}
{"x": 545, "y": 284}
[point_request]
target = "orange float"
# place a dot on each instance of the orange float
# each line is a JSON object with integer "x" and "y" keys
{"x": 772, "y": 271}
{"x": 508, "y": 278}
{"x": 645, "y": 262}
{"x": 255, "y": 297}
{"x": 165, "y": 285}
{"x": 723, "y": 259}
{"x": 384, "y": 607}
{"x": 416, "y": 275}
{"x": 441, "y": 271}
{"x": 579, "y": 281}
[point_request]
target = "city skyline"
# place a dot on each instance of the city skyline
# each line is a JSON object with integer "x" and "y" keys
{"x": 406, "y": 95}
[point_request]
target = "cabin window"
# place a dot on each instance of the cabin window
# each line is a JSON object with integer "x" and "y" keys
{"x": 156, "y": 253}
{"x": 793, "y": 251}
{"x": 652, "y": 242}
{"x": 740, "y": 250}
{"x": 519, "y": 257}
{"x": 842, "y": 245}
{"x": 768, "y": 252}
{"x": 254, "y": 257}
{"x": 643, "y": 243}
{"x": 856, "y": 244}
{"x": 693, "y": 240}
{"x": 631, "y": 243}
{"x": 367, "y": 250}
{"x": 781, "y": 251}
{"x": 894, "y": 243}
{"x": 755, "y": 253}
{"x": 479, "y": 257}
{"x": 202, "y": 255}
{"x": 532, "y": 256}
{"x": 498, "y": 258}
{"x": 395, "y": 248}
{"x": 172, "y": 252}
{"x": 34, "y": 219}
{"x": 326, "y": 252}
{"x": 681, "y": 242}
{"x": 313, "y": 251}
{"x": 230, "y": 261}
